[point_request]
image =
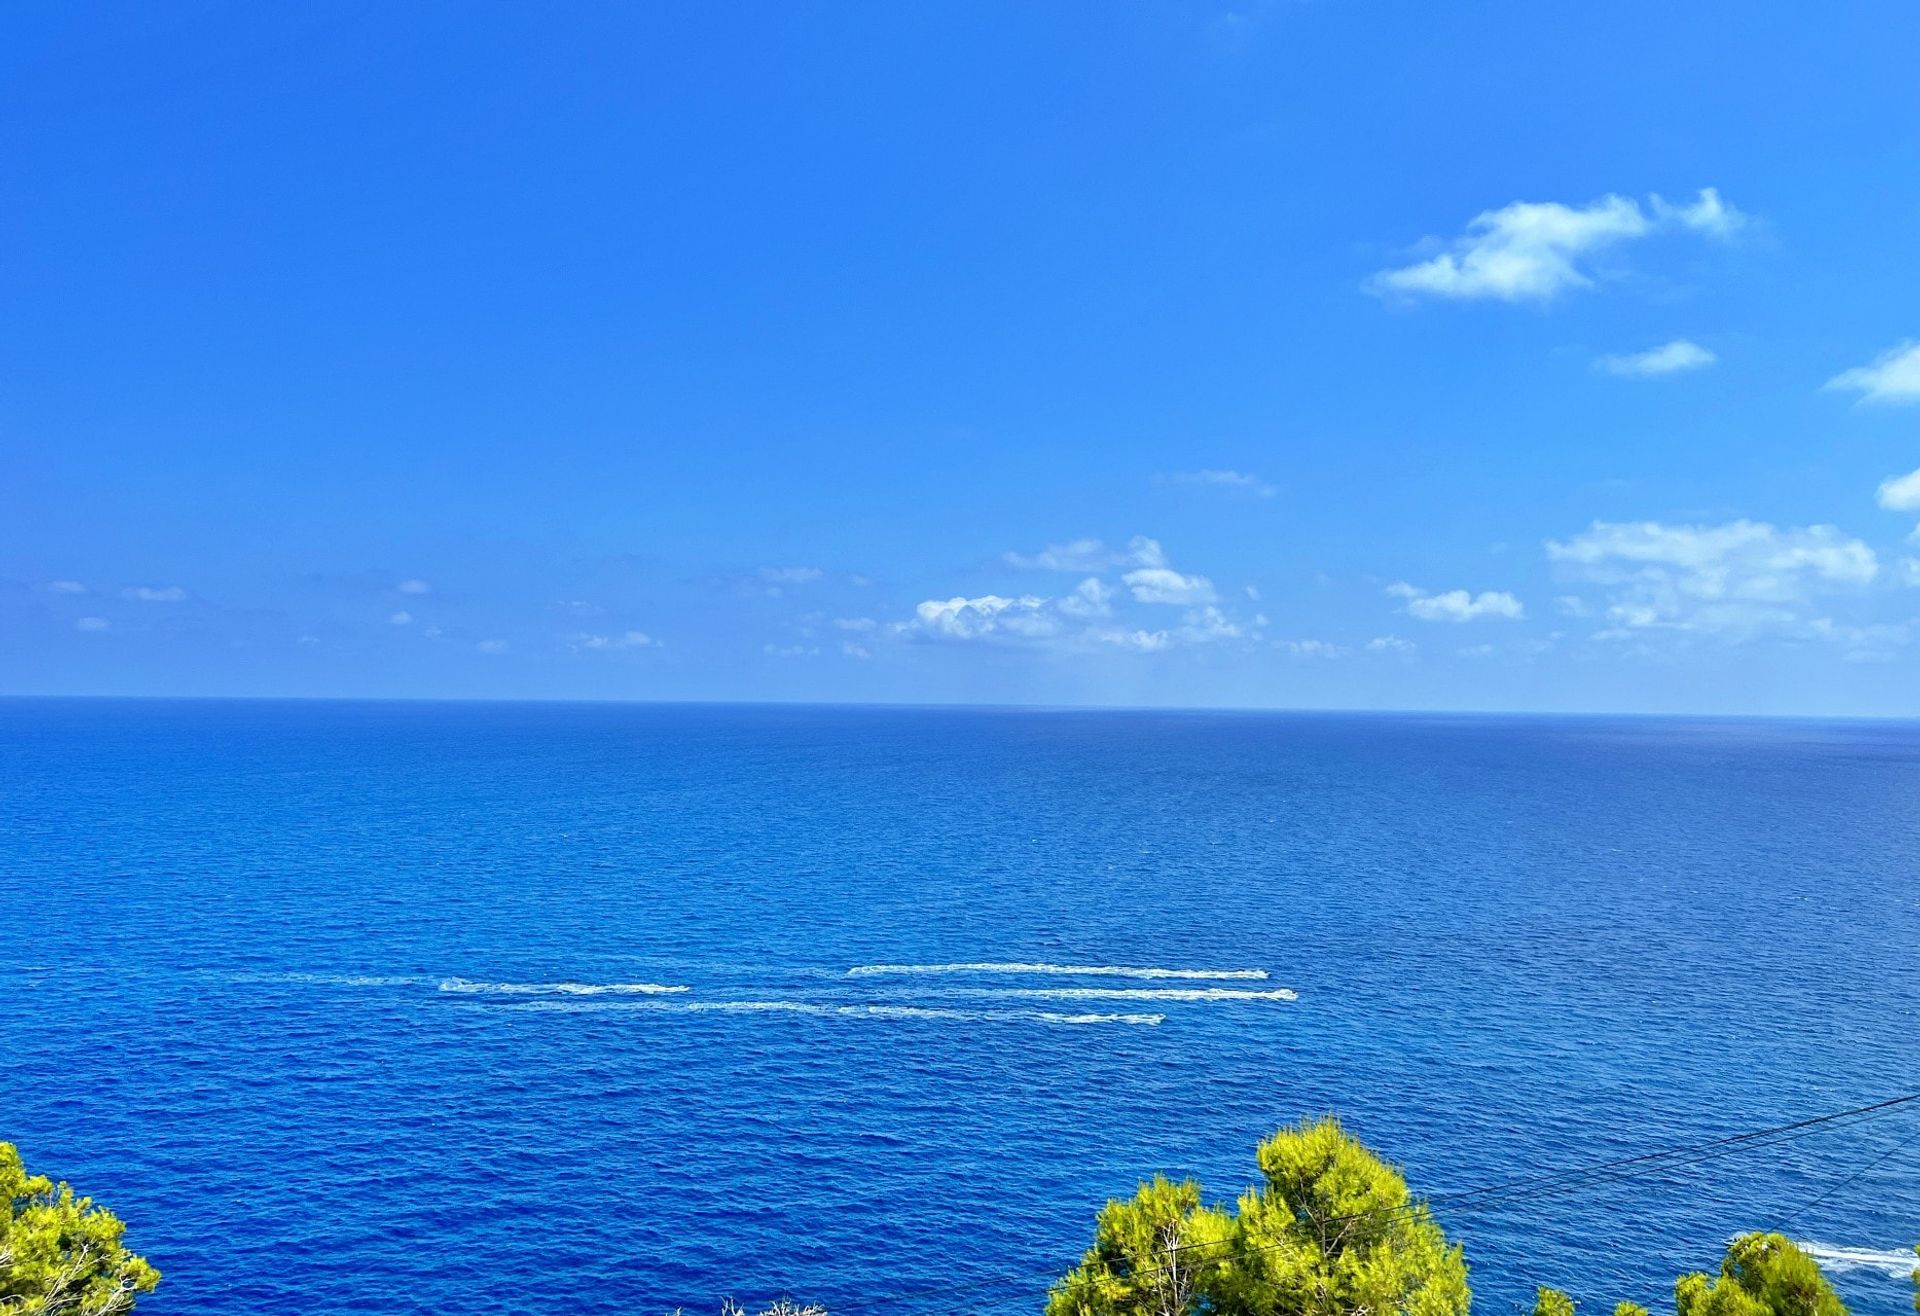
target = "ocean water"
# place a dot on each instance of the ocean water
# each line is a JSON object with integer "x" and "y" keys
{"x": 484, "y": 1009}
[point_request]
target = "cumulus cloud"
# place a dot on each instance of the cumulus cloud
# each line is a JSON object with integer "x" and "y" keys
{"x": 1533, "y": 251}
{"x": 1225, "y": 481}
{"x": 1893, "y": 376}
{"x": 1165, "y": 585}
{"x": 1390, "y": 644}
{"x": 1090, "y": 598}
{"x": 156, "y": 593}
{"x": 1457, "y": 605}
{"x": 988, "y": 616}
{"x": 1084, "y": 555}
{"x": 1901, "y": 493}
{"x": 91, "y": 624}
{"x": 1092, "y": 615}
{"x": 1668, "y": 359}
{"x": 414, "y": 586}
{"x": 1734, "y": 580}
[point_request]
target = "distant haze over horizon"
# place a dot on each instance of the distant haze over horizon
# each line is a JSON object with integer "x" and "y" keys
{"x": 1187, "y": 356}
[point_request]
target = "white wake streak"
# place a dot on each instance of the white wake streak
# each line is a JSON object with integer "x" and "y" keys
{"x": 1131, "y": 993}
{"x": 1898, "y": 1265}
{"x": 840, "y": 1011}
{"x": 467, "y": 986}
{"x": 1063, "y": 970}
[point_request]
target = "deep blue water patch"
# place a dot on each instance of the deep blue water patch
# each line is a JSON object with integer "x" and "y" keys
{"x": 487, "y": 1008}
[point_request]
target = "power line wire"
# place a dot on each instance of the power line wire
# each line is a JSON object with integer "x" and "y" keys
{"x": 1554, "y": 1183}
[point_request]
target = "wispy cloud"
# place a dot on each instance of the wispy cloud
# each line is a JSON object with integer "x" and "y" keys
{"x": 92, "y": 624}
{"x": 791, "y": 575}
{"x": 155, "y": 593}
{"x": 1458, "y": 605}
{"x": 623, "y": 640}
{"x": 65, "y": 587}
{"x": 414, "y": 586}
{"x": 1893, "y": 376}
{"x": 1534, "y": 250}
{"x": 1735, "y": 580}
{"x": 492, "y": 646}
{"x": 1084, "y": 555}
{"x": 1668, "y": 359}
{"x": 1238, "y": 482}
{"x": 401, "y": 618}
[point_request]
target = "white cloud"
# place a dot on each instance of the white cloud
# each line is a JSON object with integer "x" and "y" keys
{"x": 1571, "y": 605}
{"x": 308, "y": 641}
{"x": 1533, "y": 251}
{"x": 1205, "y": 625}
{"x": 1140, "y": 641}
{"x": 1227, "y": 481}
{"x": 856, "y": 624}
{"x": 65, "y": 587}
{"x": 1390, "y": 644}
{"x": 1093, "y": 614}
{"x": 1165, "y": 585}
{"x": 1458, "y": 605}
{"x": 1708, "y": 214}
{"x": 791, "y": 575}
{"x": 402, "y": 618}
{"x": 790, "y": 650}
{"x": 492, "y": 646}
{"x": 1311, "y": 648}
{"x": 1910, "y": 572}
{"x": 1901, "y": 493}
{"x": 1668, "y": 359}
{"x": 986, "y": 617}
{"x": 156, "y": 593}
{"x": 414, "y": 586}
{"x": 624, "y": 640}
{"x": 1084, "y": 555}
{"x": 1090, "y": 598}
{"x": 1734, "y": 580}
{"x": 853, "y": 650}
{"x": 91, "y": 624}
{"x": 1893, "y": 376}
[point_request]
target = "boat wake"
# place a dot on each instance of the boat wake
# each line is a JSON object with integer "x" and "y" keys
{"x": 467, "y": 986}
{"x": 1063, "y": 970}
{"x": 1898, "y": 1265}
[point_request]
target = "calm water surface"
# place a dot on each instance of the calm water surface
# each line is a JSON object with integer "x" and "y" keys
{"x": 364, "y": 1007}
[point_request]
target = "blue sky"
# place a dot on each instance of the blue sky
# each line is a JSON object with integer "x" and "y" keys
{"x": 1326, "y": 354}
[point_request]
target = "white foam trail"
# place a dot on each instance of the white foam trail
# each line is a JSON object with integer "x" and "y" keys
{"x": 928, "y": 1012}
{"x": 1897, "y": 1265}
{"x": 1132, "y": 993}
{"x": 1064, "y": 970}
{"x": 842, "y": 1011}
{"x": 469, "y": 987}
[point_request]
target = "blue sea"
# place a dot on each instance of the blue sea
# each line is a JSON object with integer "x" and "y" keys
{"x": 469, "y": 1008}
